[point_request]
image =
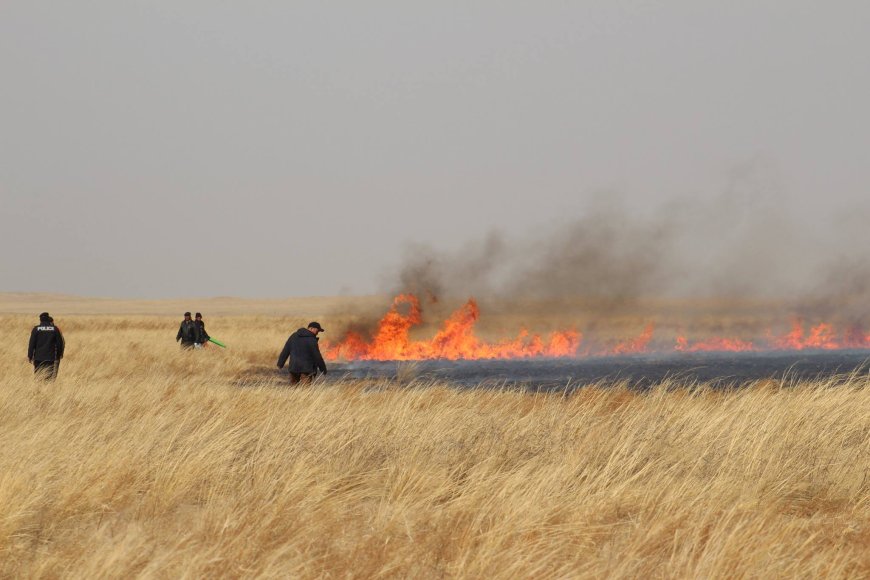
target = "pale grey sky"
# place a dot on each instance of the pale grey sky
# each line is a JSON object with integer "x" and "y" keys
{"x": 273, "y": 148}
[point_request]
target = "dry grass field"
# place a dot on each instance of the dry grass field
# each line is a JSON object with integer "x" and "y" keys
{"x": 144, "y": 461}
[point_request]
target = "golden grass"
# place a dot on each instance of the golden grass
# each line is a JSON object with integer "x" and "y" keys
{"x": 143, "y": 461}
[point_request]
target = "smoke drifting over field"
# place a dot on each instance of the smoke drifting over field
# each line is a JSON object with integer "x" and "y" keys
{"x": 740, "y": 245}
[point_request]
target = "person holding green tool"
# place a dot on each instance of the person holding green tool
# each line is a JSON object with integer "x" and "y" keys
{"x": 202, "y": 337}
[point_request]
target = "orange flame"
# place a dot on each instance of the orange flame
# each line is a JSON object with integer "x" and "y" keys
{"x": 854, "y": 337}
{"x": 456, "y": 339}
{"x": 821, "y": 336}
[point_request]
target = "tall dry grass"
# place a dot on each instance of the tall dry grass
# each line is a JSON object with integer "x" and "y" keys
{"x": 144, "y": 461}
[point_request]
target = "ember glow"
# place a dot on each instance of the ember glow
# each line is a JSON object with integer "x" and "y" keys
{"x": 456, "y": 340}
{"x": 714, "y": 345}
{"x": 639, "y": 344}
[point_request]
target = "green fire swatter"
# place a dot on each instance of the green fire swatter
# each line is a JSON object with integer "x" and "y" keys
{"x": 217, "y": 342}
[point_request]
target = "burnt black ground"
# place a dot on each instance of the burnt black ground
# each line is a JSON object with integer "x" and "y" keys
{"x": 721, "y": 369}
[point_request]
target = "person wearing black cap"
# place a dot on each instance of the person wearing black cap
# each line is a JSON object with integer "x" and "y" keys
{"x": 46, "y": 347}
{"x": 186, "y": 332}
{"x": 201, "y": 335}
{"x": 304, "y": 354}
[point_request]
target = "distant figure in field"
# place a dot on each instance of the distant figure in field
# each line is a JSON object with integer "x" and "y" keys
{"x": 46, "y": 348}
{"x": 201, "y": 335}
{"x": 304, "y": 354}
{"x": 187, "y": 332}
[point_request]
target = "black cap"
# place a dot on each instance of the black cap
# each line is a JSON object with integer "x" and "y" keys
{"x": 44, "y": 316}
{"x": 187, "y": 313}
{"x": 317, "y": 326}
{"x": 199, "y": 315}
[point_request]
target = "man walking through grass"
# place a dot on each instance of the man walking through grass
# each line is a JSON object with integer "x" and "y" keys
{"x": 45, "y": 348}
{"x": 304, "y": 354}
{"x": 187, "y": 332}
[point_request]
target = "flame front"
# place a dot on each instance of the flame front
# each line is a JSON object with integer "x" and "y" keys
{"x": 456, "y": 340}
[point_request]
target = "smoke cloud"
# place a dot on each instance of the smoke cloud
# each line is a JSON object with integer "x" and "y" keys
{"x": 747, "y": 243}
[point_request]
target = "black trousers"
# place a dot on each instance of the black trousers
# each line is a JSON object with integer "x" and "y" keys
{"x": 46, "y": 369}
{"x": 296, "y": 378}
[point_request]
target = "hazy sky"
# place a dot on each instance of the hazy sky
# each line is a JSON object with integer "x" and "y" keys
{"x": 193, "y": 148}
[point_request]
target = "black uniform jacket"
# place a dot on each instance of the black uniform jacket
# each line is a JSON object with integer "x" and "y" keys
{"x": 46, "y": 343}
{"x": 187, "y": 332}
{"x": 304, "y": 353}
{"x": 201, "y": 335}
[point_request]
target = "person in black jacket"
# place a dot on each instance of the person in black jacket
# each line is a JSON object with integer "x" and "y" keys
{"x": 201, "y": 335}
{"x": 304, "y": 354}
{"x": 46, "y": 347}
{"x": 186, "y": 332}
